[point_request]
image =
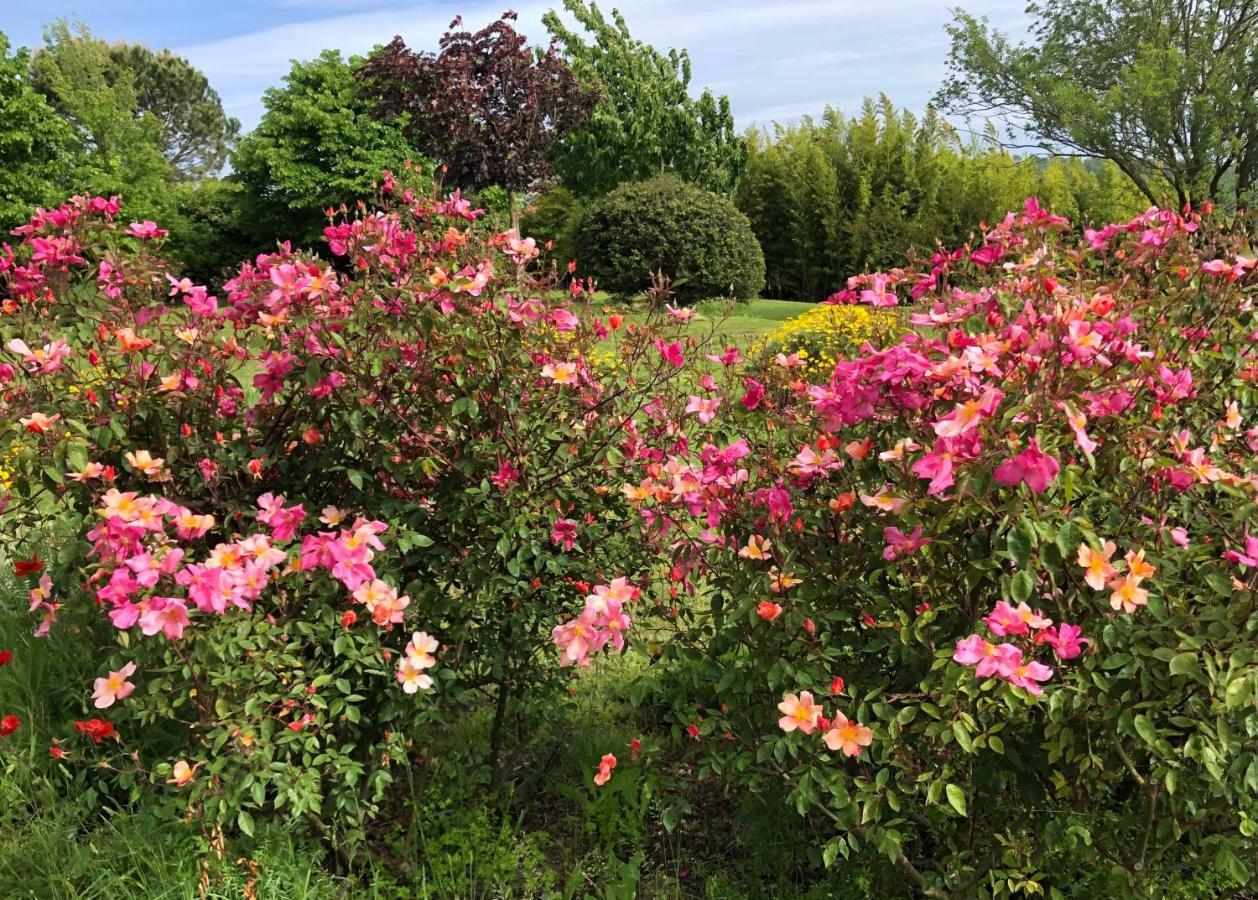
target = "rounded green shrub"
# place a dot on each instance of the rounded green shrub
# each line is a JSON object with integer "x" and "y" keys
{"x": 698, "y": 239}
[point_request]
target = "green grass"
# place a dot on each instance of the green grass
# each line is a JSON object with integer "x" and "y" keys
{"x": 734, "y": 323}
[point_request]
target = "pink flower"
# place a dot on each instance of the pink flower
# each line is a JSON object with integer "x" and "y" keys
{"x": 1248, "y": 558}
{"x": 1037, "y": 469}
{"x": 107, "y": 691}
{"x": 882, "y": 502}
{"x": 988, "y": 659}
{"x": 282, "y": 520}
{"x": 706, "y": 407}
{"x": 670, "y": 352}
{"x": 578, "y": 638}
{"x": 412, "y": 676}
{"x": 799, "y": 713}
{"x": 754, "y": 395}
{"x": 1028, "y": 675}
{"x": 1079, "y": 425}
{"x": 966, "y": 416}
{"x": 145, "y": 230}
{"x": 971, "y": 650}
{"x": 1005, "y": 619}
{"x": 847, "y": 736}
{"x": 167, "y": 615}
{"x": 506, "y": 475}
{"x": 564, "y": 533}
{"x": 899, "y": 544}
{"x": 605, "y": 766}
{"x": 1066, "y": 640}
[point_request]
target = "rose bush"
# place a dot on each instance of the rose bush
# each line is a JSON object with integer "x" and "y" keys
{"x": 295, "y": 503}
{"x": 984, "y": 599}
{"x": 971, "y": 603}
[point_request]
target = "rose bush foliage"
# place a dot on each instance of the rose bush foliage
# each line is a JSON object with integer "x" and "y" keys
{"x": 274, "y": 490}
{"x": 1017, "y": 546}
{"x": 967, "y": 602}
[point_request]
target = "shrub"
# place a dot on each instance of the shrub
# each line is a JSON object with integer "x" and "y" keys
{"x": 982, "y": 600}
{"x": 554, "y": 217}
{"x": 812, "y": 342}
{"x": 288, "y": 550}
{"x": 699, "y": 240}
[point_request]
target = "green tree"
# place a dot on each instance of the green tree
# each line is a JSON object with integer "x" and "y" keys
{"x": 647, "y": 122}
{"x": 317, "y": 146}
{"x": 121, "y": 143}
{"x": 36, "y": 145}
{"x": 196, "y": 134}
{"x": 1166, "y": 89}
{"x": 833, "y": 197}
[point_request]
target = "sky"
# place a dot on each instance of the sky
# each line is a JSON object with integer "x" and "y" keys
{"x": 777, "y": 60}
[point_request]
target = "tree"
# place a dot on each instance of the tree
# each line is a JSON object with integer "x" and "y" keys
{"x": 1164, "y": 88}
{"x": 196, "y": 134}
{"x": 828, "y": 198}
{"x": 647, "y": 122}
{"x": 486, "y": 105}
{"x": 317, "y": 146}
{"x": 36, "y": 145}
{"x": 121, "y": 143}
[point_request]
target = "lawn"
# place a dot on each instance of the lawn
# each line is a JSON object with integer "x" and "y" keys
{"x": 740, "y": 323}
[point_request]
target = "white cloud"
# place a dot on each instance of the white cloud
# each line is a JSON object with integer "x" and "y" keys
{"x": 775, "y": 60}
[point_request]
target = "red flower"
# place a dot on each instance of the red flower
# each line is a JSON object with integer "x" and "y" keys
{"x": 96, "y": 729}
{"x": 836, "y": 686}
{"x": 56, "y": 752}
{"x": 348, "y": 618}
{"x": 768, "y": 610}
{"x": 32, "y": 566}
{"x": 9, "y": 724}
{"x": 6, "y": 656}
{"x": 693, "y": 731}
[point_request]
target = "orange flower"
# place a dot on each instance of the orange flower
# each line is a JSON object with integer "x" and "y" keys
{"x": 847, "y": 736}
{"x": 757, "y": 548}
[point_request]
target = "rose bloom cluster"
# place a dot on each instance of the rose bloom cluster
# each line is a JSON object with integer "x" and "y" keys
{"x": 146, "y": 574}
{"x": 603, "y": 621}
{"x": 802, "y": 713}
{"x": 1009, "y": 661}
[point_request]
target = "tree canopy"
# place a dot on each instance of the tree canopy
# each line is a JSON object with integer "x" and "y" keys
{"x": 647, "y": 122}
{"x": 317, "y": 146}
{"x": 97, "y": 85}
{"x": 36, "y": 144}
{"x": 1166, "y": 89}
{"x": 486, "y": 104}
{"x": 121, "y": 143}
{"x": 196, "y": 134}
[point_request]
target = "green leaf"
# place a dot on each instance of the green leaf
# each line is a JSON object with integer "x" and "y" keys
{"x": 962, "y": 735}
{"x": 1020, "y": 541}
{"x": 956, "y": 797}
{"x": 1184, "y": 664}
{"x": 1146, "y": 729}
{"x": 1022, "y": 586}
{"x": 830, "y": 852}
{"x": 244, "y": 821}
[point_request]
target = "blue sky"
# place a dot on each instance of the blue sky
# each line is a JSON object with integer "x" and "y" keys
{"x": 776, "y": 59}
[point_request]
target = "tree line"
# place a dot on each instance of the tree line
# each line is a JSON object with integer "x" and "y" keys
{"x": 1120, "y": 105}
